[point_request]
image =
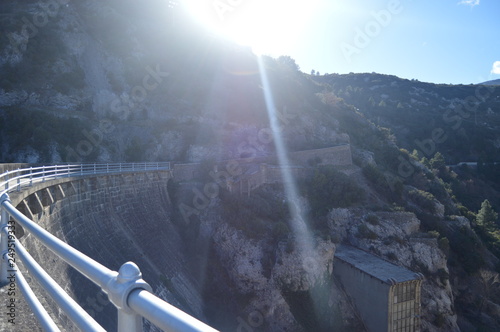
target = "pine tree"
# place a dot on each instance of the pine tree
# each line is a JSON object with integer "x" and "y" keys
{"x": 438, "y": 162}
{"x": 486, "y": 216}
{"x": 415, "y": 155}
{"x": 371, "y": 101}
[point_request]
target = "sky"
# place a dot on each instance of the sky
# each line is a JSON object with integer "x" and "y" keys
{"x": 438, "y": 41}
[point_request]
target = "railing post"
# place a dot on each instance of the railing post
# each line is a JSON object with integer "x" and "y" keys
{"x": 43, "y": 173}
{"x": 6, "y": 181}
{"x": 31, "y": 176}
{"x": 120, "y": 167}
{"x": 18, "y": 180}
{"x": 81, "y": 169}
{"x": 4, "y": 249}
{"x": 129, "y": 322}
{"x": 128, "y": 279}
{"x": 95, "y": 169}
{"x": 107, "y": 168}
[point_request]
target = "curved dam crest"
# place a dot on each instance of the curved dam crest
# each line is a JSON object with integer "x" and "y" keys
{"x": 112, "y": 219}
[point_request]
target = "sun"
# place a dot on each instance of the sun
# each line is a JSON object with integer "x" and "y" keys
{"x": 267, "y": 26}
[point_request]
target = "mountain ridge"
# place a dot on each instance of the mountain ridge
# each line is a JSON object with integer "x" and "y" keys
{"x": 133, "y": 89}
{"x": 492, "y": 82}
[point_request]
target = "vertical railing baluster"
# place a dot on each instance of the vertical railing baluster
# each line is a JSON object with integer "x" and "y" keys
{"x": 107, "y": 168}
{"x": 129, "y": 322}
{"x": 95, "y": 171}
{"x": 4, "y": 248}
{"x": 7, "y": 181}
{"x": 31, "y": 176}
{"x": 18, "y": 180}
{"x": 43, "y": 173}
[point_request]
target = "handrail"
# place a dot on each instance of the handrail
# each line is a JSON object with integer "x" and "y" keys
{"x": 126, "y": 289}
{"x": 75, "y": 312}
{"x": 25, "y": 176}
{"x": 40, "y": 313}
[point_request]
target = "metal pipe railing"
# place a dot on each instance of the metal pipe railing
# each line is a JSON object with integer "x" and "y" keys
{"x": 38, "y": 310}
{"x": 28, "y": 176}
{"x": 164, "y": 315}
{"x": 93, "y": 270}
{"x": 75, "y": 312}
{"x": 126, "y": 289}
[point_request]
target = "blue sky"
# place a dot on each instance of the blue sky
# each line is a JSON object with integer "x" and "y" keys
{"x": 439, "y": 41}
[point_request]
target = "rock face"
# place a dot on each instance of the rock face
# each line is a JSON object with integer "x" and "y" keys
{"x": 268, "y": 286}
{"x": 395, "y": 236}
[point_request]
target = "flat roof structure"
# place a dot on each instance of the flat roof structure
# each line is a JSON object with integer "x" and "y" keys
{"x": 374, "y": 266}
{"x": 387, "y": 296}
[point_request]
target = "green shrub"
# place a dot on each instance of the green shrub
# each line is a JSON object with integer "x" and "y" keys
{"x": 444, "y": 245}
{"x": 372, "y": 219}
{"x": 440, "y": 320}
{"x": 392, "y": 256}
{"x": 329, "y": 188}
{"x": 424, "y": 199}
{"x": 443, "y": 275}
{"x": 433, "y": 234}
{"x": 381, "y": 183}
{"x": 367, "y": 233}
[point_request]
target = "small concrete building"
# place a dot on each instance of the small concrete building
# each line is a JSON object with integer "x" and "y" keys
{"x": 386, "y": 296}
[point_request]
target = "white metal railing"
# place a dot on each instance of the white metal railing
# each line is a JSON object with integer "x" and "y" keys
{"x": 126, "y": 289}
{"x": 15, "y": 180}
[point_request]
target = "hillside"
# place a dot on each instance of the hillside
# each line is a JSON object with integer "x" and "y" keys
{"x": 114, "y": 81}
{"x": 493, "y": 82}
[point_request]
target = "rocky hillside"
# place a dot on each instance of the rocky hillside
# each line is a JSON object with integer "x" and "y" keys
{"x": 114, "y": 81}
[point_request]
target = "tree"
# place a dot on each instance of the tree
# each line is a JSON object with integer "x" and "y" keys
{"x": 289, "y": 62}
{"x": 425, "y": 162}
{"x": 415, "y": 155}
{"x": 486, "y": 216}
{"x": 371, "y": 101}
{"x": 313, "y": 72}
{"x": 438, "y": 162}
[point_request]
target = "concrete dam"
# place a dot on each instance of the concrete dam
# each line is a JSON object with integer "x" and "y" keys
{"x": 205, "y": 267}
{"x": 112, "y": 219}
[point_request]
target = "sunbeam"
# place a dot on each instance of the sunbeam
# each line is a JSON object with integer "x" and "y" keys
{"x": 299, "y": 225}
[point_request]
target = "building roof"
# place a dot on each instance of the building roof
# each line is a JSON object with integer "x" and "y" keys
{"x": 375, "y": 266}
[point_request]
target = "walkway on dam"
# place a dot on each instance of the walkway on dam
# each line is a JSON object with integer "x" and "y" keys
{"x": 126, "y": 289}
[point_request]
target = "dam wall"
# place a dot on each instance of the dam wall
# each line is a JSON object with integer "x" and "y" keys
{"x": 112, "y": 219}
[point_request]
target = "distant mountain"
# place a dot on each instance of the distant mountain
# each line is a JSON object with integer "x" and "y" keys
{"x": 493, "y": 82}
{"x": 413, "y": 110}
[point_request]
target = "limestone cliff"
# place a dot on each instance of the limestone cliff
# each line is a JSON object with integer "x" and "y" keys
{"x": 396, "y": 237}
